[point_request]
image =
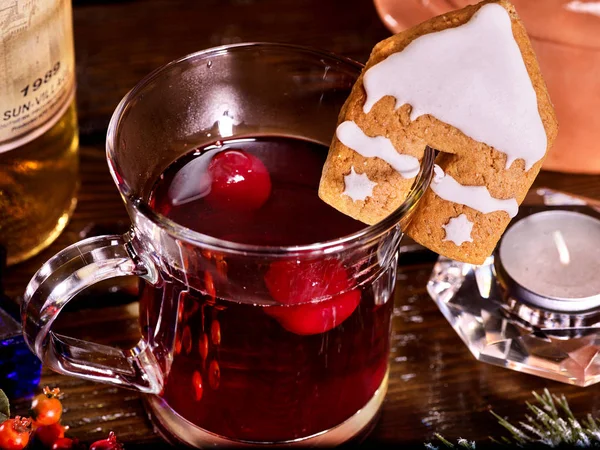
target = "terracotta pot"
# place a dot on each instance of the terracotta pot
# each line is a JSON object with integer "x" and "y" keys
{"x": 566, "y": 38}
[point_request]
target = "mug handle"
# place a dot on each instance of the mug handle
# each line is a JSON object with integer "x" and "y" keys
{"x": 57, "y": 282}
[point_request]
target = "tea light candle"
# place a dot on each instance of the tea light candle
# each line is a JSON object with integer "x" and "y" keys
{"x": 552, "y": 260}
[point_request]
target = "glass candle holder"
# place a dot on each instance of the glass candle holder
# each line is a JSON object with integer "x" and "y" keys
{"x": 534, "y": 306}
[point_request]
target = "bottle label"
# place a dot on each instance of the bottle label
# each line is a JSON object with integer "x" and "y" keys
{"x": 37, "y": 67}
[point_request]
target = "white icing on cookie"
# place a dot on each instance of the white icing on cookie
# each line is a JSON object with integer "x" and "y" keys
{"x": 472, "y": 77}
{"x": 458, "y": 230}
{"x": 358, "y": 186}
{"x": 438, "y": 174}
{"x": 381, "y": 147}
{"x": 476, "y": 197}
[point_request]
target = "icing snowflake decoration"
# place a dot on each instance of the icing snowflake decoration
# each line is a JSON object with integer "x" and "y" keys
{"x": 358, "y": 186}
{"x": 458, "y": 230}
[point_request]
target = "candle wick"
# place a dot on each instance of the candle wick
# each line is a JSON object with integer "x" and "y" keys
{"x": 561, "y": 246}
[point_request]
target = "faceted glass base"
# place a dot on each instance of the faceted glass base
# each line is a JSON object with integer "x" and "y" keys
{"x": 502, "y": 331}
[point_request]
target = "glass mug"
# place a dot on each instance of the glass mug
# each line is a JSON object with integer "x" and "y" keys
{"x": 219, "y": 367}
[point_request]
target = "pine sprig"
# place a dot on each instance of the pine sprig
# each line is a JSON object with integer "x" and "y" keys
{"x": 549, "y": 423}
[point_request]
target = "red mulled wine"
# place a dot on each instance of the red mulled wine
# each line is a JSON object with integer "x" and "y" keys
{"x": 312, "y": 349}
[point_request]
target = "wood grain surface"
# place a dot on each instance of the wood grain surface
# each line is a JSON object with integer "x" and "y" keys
{"x": 435, "y": 384}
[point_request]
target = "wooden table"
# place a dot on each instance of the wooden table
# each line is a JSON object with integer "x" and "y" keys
{"x": 435, "y": 385}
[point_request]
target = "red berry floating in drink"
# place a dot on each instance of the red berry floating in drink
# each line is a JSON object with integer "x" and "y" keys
{"x": 209, "y": 285}
{"x": 221, "y": 265}
{"x": 46, "y": 407}
{"x": 14, "y": 433}
{"x": 177, "y": 345}
{"x": 315, "y": 318}
{"x": 214, "y": 374}
{"x": 181, "y": 307}
{"x": 215, "y": 332}
{"x": 186, "y": 340}
{"x": 203, "y": 346}
{"x": 197, "y": 383}
{"x": 240, "y": 181}
{"x": 297, "y": 284}
{"x": 110, "y": 443}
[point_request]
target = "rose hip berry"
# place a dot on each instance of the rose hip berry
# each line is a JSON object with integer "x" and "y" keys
{"x": 240, "y": 181}
{"x": 296, "y": 284}
{"x": 14, "y": 433}
{"x": 46, "y": 407}
{"x": 48, "y": 434}
{"x": 110, "y": 443}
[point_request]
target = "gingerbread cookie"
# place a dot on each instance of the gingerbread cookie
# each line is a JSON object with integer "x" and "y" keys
{"x": 467, "y": 84}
